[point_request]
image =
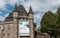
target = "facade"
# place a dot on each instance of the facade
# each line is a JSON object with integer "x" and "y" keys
{"x": 19, "y": 24}
{"x": 9, "y": 28}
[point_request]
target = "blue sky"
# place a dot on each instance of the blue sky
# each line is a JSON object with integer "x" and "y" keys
{"x": 39, "y": 7}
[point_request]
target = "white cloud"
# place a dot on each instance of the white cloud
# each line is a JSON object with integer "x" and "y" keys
{"x": 41, "y": 5}
{"x": 2, "y": 18}
{"x": 12, "y": 2}
{"x": 37, "y": 5}
{"x": 2, "y": 3}
{"x": 6, "y": 15}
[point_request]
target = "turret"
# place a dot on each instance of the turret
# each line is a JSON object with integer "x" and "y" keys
{"x": 31, "y": 17}
{"x": 15, "y": 12}
{"x": 15, "y": 8}
{"x": 31, "y": 14}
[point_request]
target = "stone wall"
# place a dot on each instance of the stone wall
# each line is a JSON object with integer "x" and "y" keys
{"x": 42, "y": 35}
{"x": 6, "y": 30}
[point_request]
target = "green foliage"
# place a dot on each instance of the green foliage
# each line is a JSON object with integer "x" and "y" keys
{"x": 58, "y": 11}
{"x": 58, "y": 14}
{"x": 50, "y": 23}
{"x": 58, "y": 17}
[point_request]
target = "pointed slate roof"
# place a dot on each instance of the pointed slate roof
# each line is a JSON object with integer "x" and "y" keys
{"x": 30, "y": 10}
{"x": 9, "y": 17}
{"x": 15, "y": 9}
{"x": 20, "y": 9}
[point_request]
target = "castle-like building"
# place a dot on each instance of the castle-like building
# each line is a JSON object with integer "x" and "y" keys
{"x": 19, "y": 24}
{"x": 10, "y": 27}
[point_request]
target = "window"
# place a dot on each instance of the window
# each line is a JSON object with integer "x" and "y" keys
{"x": 8, "y": 27}
{"x": 26, "y": 18}
{"x": 8, "y": 33}
{"x": 23, "y": 18}
{"x": 3, "y": 34}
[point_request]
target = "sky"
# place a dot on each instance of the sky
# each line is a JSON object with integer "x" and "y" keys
{"x": 39, "y": 7}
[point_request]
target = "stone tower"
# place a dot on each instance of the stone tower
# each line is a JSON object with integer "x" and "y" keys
{"x": 21, "y": 14}
{"x": 31, "y": 18}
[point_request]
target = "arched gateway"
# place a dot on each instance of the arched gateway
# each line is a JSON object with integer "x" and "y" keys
{"x": 18, "y": 24}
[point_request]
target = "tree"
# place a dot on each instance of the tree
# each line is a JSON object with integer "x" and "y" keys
{"x": 49, "y": 24}
{"x": 58, "y": 11}
{"x": 58, "y": 14}
{"x": 58, "y": 17}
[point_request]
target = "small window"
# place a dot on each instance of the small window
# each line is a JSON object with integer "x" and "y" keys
{"x": 8, "y": 33}
{"x": 27, "y": 19}
{"x": 11, "y": 19}
{"x": 3, "y": 30}
{"x": 3, "y": 34}
{"x": 8, "y": 27}
{"x": 23, "y": 18}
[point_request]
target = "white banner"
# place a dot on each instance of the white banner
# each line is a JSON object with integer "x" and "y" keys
{"x": 23, "y": 28}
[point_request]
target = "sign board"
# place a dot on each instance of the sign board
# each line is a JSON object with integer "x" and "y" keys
{"x": 23, "y": 28}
